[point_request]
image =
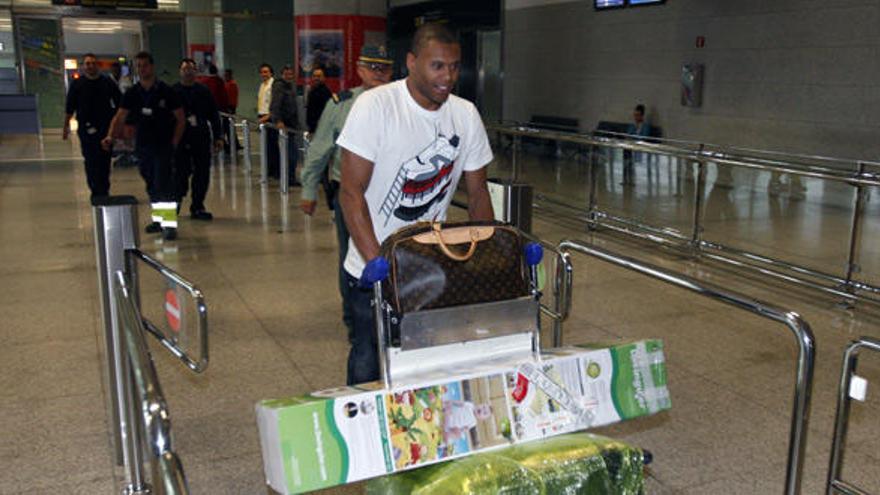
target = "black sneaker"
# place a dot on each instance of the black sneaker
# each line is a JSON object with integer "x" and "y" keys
{"x": 153, "y": 228}
{"x": 169, "y": 233}
{"x": 201, "y": 215}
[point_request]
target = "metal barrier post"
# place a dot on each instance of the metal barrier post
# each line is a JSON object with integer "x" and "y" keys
{"x": 115, "y": 218}
{"x": 233, "y": 140}
{"x": 283, "y": 160}
{"x": 264, "y": 153}
{"x": 800, "y": 329}
{"x": 593, "y": 206}
{"x": 699, "y": 192}
{"x": 561, "y": 295}
{"x": 514, "y": 161}
{"x": 850, "y": 362}
{"x": 855, "y": 231}
{"x": 246, "y": 143}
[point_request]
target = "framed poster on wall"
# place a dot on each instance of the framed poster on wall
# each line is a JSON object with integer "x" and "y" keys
{"x": 322, "y": 48}
{"x": 692, "y": 85}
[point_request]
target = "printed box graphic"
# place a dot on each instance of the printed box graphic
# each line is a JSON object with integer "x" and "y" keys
{"x": 348, "y": 434}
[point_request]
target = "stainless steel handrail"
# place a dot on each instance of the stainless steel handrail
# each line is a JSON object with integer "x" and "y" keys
{"x": 835, "y": 484}
{"x": 787, "y": 157}
{"x": 155, "y": 418}
{"x": 197, "y": 296}
{"x": 646, "y": 145}
{"x": 847, "y": 285}
{"x": 795, "y": 323}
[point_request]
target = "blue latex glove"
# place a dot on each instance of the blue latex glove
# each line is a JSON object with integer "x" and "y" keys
{"x": 534, "y": 253}
{"x": 375, "y": 271}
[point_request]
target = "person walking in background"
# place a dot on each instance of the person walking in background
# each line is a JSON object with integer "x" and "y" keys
{"x": 93, "y": 98}
{"x": 317, "y": 98}
{"x": 264, "y": 104}
{"x": 193, "y": 157}
{"x": 231, "y": 86}
{"x": 216, "y": 86}
{"x": 284, "y": 116}
{"x": 374, "y": 69}
{"x": 154, "y": 110}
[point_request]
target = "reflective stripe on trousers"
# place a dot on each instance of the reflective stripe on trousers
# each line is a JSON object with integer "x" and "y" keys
{"x": 165, "y": 212}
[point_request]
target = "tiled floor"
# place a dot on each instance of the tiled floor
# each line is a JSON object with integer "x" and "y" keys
{"x": 268, "y": 274}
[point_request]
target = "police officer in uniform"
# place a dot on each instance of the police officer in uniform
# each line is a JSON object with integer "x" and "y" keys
{"x": 154, "y": 109}
{"x": 374, "y": 69}
{"x": 193, "y": 157}
{"x": 94, "y": 99}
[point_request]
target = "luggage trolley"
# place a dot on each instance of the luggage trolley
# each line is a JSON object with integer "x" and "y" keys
{"x": 443, "y": 338}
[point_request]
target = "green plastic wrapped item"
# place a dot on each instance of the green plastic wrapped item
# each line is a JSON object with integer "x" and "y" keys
{"x": 578, "y": 463}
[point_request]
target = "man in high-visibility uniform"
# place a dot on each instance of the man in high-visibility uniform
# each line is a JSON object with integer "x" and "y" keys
{"x": 374, "y": 69}
{"x": 154, "y": 109}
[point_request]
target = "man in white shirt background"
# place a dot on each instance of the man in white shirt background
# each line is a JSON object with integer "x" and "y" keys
{"x": 264, "y": 105}
{"x": 405, "y": 146}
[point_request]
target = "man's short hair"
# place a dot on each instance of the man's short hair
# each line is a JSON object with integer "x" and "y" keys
{"x": 145, "y": 56}
{"x": 271, "y": 70}
{"x": 227, "y": 72}
{"x": 186, "y": 60}
{"x": 212, "y": 69}
{"x": 432, "y": 31}
{"x": 640, "y": 108}
{"x": 90, "y": 54}
{"x": 287, "y": 67}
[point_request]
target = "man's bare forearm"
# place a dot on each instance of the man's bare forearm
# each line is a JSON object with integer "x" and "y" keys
{"x": 479, "y": 202}
{"x": 357, "y": 219}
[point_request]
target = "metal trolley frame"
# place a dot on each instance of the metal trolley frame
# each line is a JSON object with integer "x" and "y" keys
{"x": 846, "y": 393}
{"x": 447, "y": 337}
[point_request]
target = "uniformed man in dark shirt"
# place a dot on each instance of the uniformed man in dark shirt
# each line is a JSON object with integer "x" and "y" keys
{"x": 154, "y": 109}
{"x": 193, "y": 157}
{"x": 94, "y": 99}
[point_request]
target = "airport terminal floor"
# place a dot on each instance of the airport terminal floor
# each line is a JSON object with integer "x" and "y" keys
{"x": 269, "y": 277}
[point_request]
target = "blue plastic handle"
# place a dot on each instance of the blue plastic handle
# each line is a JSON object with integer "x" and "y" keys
{"x": 375, "y": 271}
{"x": 534, "y": 253}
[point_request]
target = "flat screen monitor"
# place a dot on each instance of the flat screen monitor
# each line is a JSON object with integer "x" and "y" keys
{"x": 608, "y": 4}
{"x": 645, "y": 2}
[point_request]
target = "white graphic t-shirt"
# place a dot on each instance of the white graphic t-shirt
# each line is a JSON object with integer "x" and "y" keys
{"x": 418, "y": 157}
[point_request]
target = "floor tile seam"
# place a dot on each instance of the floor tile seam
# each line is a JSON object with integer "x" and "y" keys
{"x": 264, "y": 328}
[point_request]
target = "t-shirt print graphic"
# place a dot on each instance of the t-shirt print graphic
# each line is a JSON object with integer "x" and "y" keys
{"x": 422, "y": 181}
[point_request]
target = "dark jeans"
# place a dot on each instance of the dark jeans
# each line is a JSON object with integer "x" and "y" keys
{"x": 363, "y": 359}
{"x": 193, "y": 159}
{"x": 157, "y": 169}
{"x": 272, "y": 158}
{"x": 291, "y": 157}
{"x": 342, "y": 237}
{"x": 97, "y": 162}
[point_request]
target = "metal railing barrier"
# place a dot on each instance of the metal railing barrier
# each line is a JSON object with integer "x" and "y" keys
{"x": 860, "y": 175}
{"x": 799, "y": 328}
{"x": 283, "y": 161}
{"x": 851, "y": 387}
{"x": 136, "y": 408}
{"x": 155, "y": 420}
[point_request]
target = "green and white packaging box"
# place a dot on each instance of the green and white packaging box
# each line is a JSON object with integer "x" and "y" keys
{"x": 348, "y": 434}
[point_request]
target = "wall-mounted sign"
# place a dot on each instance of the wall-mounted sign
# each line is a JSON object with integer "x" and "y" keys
{"x": 692, "y": 85}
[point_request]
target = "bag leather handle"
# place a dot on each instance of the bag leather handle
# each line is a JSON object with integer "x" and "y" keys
{"x": 448, "y": 252}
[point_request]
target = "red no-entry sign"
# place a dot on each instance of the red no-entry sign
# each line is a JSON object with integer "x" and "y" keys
{"x": 172, "y": 310}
